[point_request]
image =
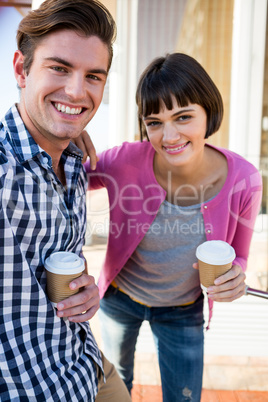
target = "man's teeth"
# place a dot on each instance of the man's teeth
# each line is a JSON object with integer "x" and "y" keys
{"x": 67, "y": 109}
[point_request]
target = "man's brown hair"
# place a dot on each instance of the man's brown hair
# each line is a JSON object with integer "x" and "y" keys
{"x": 86, "y": 17}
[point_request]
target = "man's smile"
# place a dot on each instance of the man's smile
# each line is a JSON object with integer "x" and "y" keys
{"x": 67, "y": 109}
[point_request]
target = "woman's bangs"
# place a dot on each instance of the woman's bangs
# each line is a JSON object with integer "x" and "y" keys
{"x": 155, "y": 98}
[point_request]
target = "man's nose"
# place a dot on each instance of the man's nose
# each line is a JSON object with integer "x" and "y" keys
{"x": 75, "y": 87}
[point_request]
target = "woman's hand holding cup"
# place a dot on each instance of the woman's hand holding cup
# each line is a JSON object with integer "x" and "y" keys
{"x": 222, "y": 280}
{"x": 228, "y": 287}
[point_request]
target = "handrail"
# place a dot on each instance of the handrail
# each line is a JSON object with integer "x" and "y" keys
{"x": 256, "y": 292}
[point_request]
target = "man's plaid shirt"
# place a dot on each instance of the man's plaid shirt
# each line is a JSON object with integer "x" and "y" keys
{"x": 42, "y": 357}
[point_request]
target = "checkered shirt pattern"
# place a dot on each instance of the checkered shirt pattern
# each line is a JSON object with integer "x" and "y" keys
{"x": 42, "y": 357}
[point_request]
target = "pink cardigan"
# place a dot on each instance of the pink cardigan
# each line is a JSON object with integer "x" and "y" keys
{"x": 135, "y": 197}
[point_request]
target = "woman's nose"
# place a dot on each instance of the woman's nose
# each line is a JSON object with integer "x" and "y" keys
{"x": 171, "y": 132}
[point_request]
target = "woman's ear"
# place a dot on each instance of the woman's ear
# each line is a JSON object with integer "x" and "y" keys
{"x": 19, "y": 72}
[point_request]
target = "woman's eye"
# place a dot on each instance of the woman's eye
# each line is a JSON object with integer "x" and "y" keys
{"x": 184, "y": 117}
{"x": 152, "y": 123}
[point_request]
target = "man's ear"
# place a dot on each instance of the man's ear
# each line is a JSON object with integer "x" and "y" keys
{"x": 19, "y": 72}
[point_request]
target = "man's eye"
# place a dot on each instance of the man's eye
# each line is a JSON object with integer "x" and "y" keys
{"x": 58, "y": 69}
{"x": 93, "y": 77}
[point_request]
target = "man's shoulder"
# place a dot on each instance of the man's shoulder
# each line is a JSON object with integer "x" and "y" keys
{"x": 8, "y": 163}
{"x": 4, "y": 166}
{"x": 3, "y": 155}
{"x": 4, "y": 143}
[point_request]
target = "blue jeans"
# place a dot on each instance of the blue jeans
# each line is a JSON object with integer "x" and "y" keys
{"x": 178, "y": 335}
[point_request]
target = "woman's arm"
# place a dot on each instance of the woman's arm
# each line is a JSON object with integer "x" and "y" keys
{"x": 231, "y": 285}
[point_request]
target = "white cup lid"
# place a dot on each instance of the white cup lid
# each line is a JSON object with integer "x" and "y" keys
{"x": 64, "y": 263}
{"x": 215, "y": 252}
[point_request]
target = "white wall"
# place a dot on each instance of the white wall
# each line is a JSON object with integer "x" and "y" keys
{"x": 248, "y": 53}
{"x": 9, "y": 21}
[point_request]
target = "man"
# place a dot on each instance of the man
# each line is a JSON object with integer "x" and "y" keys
{"x": 61, "y": 65}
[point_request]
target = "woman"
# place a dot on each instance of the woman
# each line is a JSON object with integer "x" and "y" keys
{"x": 167, "y": 195}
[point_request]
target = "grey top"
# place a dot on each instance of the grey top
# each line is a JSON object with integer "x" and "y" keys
{"x": 159, "y": 273}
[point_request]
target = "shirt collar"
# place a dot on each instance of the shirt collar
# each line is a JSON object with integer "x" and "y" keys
{"x": 23, "y": 143}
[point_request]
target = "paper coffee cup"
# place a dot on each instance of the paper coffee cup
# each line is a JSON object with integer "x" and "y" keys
{"x": 61, "y": 268}
{"x": 215, "y": 258}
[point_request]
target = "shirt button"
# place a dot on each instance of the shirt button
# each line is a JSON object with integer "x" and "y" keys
{"x": 205, "y": 207}
{"x": 45, "y": 160}
{"x": 208, "y": 231}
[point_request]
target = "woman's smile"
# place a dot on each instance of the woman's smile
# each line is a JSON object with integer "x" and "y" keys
{"x": 176, "y": 149}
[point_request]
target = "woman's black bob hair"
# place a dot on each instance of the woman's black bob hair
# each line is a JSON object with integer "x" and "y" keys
{"x": 181, "y": 77}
